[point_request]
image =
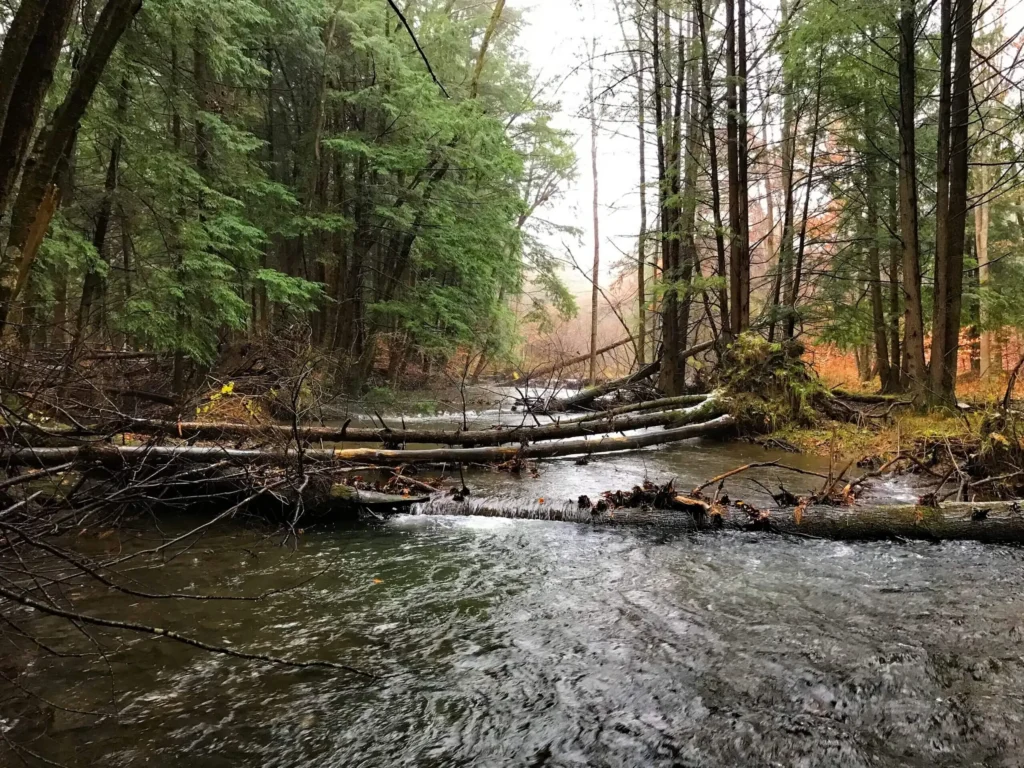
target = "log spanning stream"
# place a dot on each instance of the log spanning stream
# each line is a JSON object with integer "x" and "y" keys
{"x": 526, "y": 643}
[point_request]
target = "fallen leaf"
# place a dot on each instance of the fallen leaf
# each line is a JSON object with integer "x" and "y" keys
{"x": 999, "y": 438}
{"x": 378, "y": 581}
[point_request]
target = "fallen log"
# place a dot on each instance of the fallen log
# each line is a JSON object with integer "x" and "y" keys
{"x": 590, "y": 394}
{"x": 993, "y": 522}
{"x": 871, "y": 399}
{"x": 661, "y": 404}
{"x": 119, "y": 455}
{"x": 212, "y": 431}
{"x": 561, "y": 366}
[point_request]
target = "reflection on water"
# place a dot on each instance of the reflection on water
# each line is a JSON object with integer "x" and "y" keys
{"x": 546, "y": 644}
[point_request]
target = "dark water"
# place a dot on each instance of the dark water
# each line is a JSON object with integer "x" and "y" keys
{"x": 517, "y": 643}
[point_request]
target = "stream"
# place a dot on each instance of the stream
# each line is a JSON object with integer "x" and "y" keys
{"x": 525, "y": 643}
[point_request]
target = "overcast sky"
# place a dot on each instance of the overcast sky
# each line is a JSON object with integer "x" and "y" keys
{"x": 555, "y": 40}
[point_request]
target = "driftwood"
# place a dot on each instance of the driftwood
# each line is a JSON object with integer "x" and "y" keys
{"x": 119, "y": 455}
{"x": 995, "y": 522}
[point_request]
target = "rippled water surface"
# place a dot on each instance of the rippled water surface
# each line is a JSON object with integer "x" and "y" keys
{"x": 518, "y": 643}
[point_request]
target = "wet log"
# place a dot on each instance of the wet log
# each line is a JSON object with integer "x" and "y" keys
{"x": 589, "y": 395}
{"x": 346, "y": 498}
{"x": 595, "y": 424}
{"x": 120, "y": 455}
{"x": 992, "y": 522}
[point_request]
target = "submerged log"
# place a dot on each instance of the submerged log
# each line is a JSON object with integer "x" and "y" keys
{"x": 118, "y": 455}
{"x": 592, "y": 425}
{"x": 993, "y": 522}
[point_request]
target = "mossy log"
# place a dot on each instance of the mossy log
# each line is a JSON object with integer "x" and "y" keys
{"x": 995, "y": 522}
{"x": 118, "y": 455}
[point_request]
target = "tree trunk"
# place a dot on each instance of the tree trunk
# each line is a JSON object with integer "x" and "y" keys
{"x": 92, "y": 282}
{"x": 895, "y": 289}
{"x": 34, "y": 37}
{"x": 949, "y": 253}
{"x": 741, "y": 306}
{"x": 790, "y": 126}
{"x": 716, "y": 195}
{"x": 641, "y": 261}
{"x": 594, "y": 424}
{"x": 798, "y": 267}
{"x": 561, "y": 366}
{"x": 878, "y": 324}
{"x": 596, "y": 274}
{"x": 982, "y": 218}
{"x": 118, "y": 455}
{"x": 736, "y": 324}
{"x": 913, "y": 343}
{"x": 993, "y": 522}
{"x": 31, "y": 213}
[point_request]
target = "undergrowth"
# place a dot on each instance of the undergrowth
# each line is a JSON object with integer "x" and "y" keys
{"x": 770, "y": 385}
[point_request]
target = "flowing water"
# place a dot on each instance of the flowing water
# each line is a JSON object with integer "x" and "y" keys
{"x": 523, "y": 643}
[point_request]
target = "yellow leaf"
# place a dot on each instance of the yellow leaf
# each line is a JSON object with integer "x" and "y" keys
{"x": 515, "y": 376}
{"x": 999, "y": 438}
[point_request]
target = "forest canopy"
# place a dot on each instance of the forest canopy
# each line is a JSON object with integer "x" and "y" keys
{"x": 245, "y": 164}
{"x": 179, "y": 177}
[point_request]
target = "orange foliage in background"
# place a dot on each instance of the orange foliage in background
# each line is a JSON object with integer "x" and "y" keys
{"x": 838, "y": 368}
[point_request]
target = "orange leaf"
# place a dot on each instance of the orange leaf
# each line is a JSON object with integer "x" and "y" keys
{"x": 378, "y": 581}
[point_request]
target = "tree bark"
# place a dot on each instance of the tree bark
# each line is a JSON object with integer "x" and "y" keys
{"x": 949, "y": 253}
{"x": 716, "y": 195}
{"x": 596, "y": 274}
{"x": 33, "y": 38}
{"x": 995, "y": 522}
{"x": 736, "y": 323}
{"x": 118, "y": 455}
{"x": 798, "y": 267}
{"x": 878, "y": 324}
{"x": 593, "y": 424}
{"x": 31, "y": 213}
{"x": 982, "y": 218}
{"x": 913, "y": 343}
